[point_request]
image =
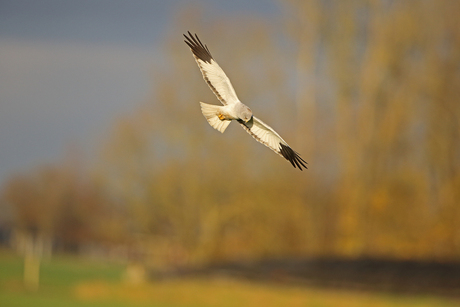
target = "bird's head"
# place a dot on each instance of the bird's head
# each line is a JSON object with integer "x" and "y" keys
{"x": 246, "y": 114}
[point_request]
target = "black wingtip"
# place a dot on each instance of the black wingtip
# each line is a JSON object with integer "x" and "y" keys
{"x": 199, "y": 50}
{"x": 292, "y": 157}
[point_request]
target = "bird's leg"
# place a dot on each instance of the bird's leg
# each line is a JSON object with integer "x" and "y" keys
{"x": 221, "y": 116}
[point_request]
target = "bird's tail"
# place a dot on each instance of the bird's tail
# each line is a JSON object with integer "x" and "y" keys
{"x": 211, "y": 112}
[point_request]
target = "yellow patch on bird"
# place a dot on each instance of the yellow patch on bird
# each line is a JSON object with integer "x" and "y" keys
{"x": 221, "y": 116}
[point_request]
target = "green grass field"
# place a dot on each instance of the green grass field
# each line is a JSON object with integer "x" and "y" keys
{"x": 70, "y": 281}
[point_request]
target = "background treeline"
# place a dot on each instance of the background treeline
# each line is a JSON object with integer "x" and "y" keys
{"x": 367, "y": 91}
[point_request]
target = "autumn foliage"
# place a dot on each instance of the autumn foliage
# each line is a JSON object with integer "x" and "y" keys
{"x": 366, "y": 91}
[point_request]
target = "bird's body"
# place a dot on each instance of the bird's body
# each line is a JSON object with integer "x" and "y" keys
{"x": 236, "y": 111}
{"x": 219, "y": 117}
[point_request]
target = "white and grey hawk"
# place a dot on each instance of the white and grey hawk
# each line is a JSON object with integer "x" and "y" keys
{"x": 219, "y": 117}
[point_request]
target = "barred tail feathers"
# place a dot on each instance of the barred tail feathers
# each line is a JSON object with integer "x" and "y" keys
{"x": 211, "y": 113}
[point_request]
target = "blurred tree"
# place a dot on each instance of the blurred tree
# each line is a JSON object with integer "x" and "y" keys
{"x": 58, "y": 207}
{"x": 378, "y": 127}
{"x": 178, "y": 176}
{"x": 367, "y": 91}
{"x": 393, "y": 70}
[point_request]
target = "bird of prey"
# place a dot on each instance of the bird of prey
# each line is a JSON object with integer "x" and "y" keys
{"x": 219, "y": 117}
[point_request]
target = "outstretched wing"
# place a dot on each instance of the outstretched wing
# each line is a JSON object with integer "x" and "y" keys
{"x": 212, "y": 73}
{"x": 267, "y": 136}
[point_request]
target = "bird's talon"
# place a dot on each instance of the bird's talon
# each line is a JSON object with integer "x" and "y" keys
{"x": 221, "y": 117}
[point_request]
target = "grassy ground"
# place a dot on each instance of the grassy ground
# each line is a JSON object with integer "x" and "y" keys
{"x": 68, "y": 281}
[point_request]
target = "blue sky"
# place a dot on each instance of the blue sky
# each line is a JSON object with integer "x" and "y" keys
{"x": 69, "y": 68}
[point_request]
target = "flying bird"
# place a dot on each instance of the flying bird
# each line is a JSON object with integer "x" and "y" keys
{"x": 219, "y": 117}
